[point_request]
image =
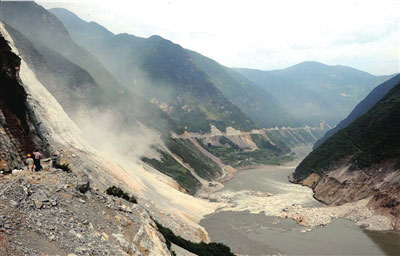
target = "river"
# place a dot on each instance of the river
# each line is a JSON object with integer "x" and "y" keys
{"x": 250, "y": 227}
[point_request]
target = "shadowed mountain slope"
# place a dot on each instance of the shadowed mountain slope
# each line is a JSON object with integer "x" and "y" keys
{"x": 167, "y": 74}
{"x": 373, "y": 97}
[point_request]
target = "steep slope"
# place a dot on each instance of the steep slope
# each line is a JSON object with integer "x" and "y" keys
{"x": 34, "y": 198}
{"x": 193, "y": 100}
{"x": 107, "y": 166}
{"x": 39, "y": 25}
{"x": 372, "y": 98}
{"x": 65, "y": 211}
{"x": 196, "y": 91}
{"x": 126, "y": 121}
{"x": 361, "y": 160}
{"x": 54, "y": 51}
{"x": 18, "y": 135}
{"x": 308, "y": 106}
{"x": 314, "y": 91}
{"x": 110, "y": 116}
{"x": 89, "y": 106}
{"x": 259, "y": 106}
{"x": 256, "y": 103}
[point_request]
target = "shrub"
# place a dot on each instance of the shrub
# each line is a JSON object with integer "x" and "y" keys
{"x": 64, "y": 167}
{"x": 118, "y": 192}
{"x": 201, "y": 249}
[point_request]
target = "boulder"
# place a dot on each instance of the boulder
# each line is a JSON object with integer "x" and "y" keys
{"x": 83, "y": 185}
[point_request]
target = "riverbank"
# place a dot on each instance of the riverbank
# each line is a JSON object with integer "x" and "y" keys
{"x": 261, "y": 213}
{"x": 207, "y": 191}
{"x": 276, "y": 196}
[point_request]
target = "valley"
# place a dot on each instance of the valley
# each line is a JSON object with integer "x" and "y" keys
{"x": 150, "y": 148}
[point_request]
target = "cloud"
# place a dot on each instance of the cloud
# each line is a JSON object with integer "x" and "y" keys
{"x": 262, "y": 34}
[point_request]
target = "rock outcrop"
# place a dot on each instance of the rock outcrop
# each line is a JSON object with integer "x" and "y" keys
{"x": 16, "y": 127}
{"x": 341, "y": 186}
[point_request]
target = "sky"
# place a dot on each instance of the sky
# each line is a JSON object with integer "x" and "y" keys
{"x": 264, "y": 34}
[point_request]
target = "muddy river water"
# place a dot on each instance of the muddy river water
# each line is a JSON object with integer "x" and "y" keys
{"x": 250, "y": 226}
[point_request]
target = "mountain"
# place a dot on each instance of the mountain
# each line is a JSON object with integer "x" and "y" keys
{"x": 256, "y": 103}
{"x": 361, "y": 160}
{"x": 315, "y": 92}
{"x": 111, "y": 116}
{"x": 209, "y": 100}
{"x": 372, "y": 98}
{"x": 70, "y": 72}
{"x": 168, "y": 75}
{"x": 84, "y": 191}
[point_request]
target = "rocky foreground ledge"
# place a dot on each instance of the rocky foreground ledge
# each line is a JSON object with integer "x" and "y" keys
{"x": 57, "y": 213}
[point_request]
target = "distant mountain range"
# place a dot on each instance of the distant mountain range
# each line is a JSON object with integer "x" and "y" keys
{"x": 366, "y": 104}
{"x": 315, "y": 92}
{"x": 187, "y": 85}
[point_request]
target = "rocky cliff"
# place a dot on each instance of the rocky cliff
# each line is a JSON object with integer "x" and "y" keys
{"x": 340, "y": 186}
{"x": 18, "y": 135}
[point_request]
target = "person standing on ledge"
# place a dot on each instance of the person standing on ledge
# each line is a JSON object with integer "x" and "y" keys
{"x": 36, "y": 159}
{"x": 29, "y": 162}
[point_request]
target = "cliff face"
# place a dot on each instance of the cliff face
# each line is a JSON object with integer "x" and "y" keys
{"x": 379, "y": 184}
{"x": 16, "y": 128}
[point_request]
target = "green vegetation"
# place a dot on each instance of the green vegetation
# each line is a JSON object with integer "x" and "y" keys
{"x": 202, "y": 165}
{"x": 201, "y": 249}
{"x": 169, "y": 166}
{"x": 118, "y": 192}
{"x": 263, "y": 109}
{"x": 224, "y": 140}
{"x": 371, "y": 139}
{"x": 367, "y": 103}
{"x": 161, "y": 70}
{"x": 263, "y": 143}
{"x": 185, "y": 150}
{"x": 231, "y": 154}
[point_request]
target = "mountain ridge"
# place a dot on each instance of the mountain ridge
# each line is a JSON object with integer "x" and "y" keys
{"x": 137, "y": 44}
{"x": 368, "y": 102}
{"x": 314, "y": 91}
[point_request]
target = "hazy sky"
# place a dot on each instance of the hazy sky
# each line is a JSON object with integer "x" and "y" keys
{"x": 261, "y": 34}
